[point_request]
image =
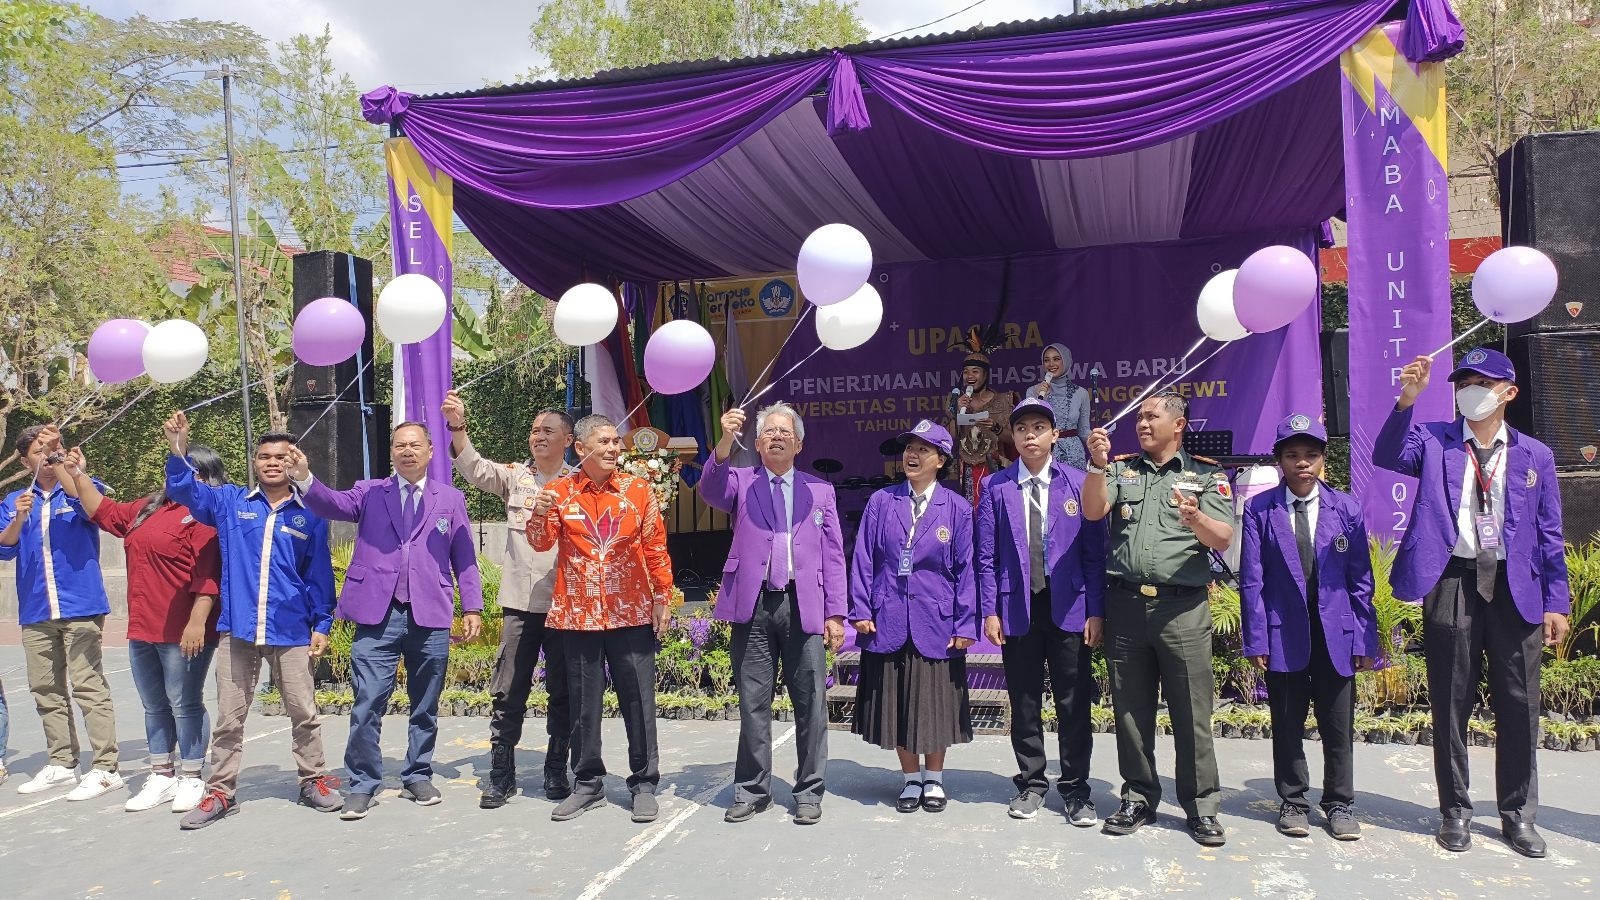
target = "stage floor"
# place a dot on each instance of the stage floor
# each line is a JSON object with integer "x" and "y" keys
{"x": 862, "y": 848}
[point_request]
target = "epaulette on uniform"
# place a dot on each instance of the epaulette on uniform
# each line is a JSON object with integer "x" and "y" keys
{"x": 1125, "y": 457}
{"x": 1205, "y": 459}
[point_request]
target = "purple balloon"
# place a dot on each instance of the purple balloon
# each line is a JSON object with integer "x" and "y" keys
{"x": 1275, "y": 285}
{"x": 1514, "y": 284}
{"x": 328, "y": 331}
{"x": 116, "y": 350}
{"x": 678, "y": 357}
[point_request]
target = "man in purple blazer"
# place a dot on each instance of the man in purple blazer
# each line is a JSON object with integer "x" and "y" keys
{"x": 1484, "y": 553}
{"x": 783, "y": 589}
{"x": 1041, "y": 591}
{"x": 412, "y": 533}
{"x": 1305, "y": 598}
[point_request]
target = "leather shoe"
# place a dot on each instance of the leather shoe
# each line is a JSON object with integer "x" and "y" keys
{"x": 744, "y": 811}
{"x": 1207, "y": 831}
{"x": 1129, "y": 817}
{"x": 1455, "y": 835}
{"x": 936, "y": 800}
{"x": 807, "y": 813}
{"x": 1523, "y": 838}
{"x": 912, "y": 803}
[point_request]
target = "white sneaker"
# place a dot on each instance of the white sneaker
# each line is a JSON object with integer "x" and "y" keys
{"x": 48, "y": 777}
{"x": 189, "y": 794}
{"x": 95, "y": 784}
{"x": 158, "y": 789}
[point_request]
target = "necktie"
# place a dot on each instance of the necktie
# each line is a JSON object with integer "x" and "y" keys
{"x": 1035, "y": 537}
{"x": 1302, "y": 540}
{"x": 1487, "y": 562}
{"x": 917, "y": 502}
{"x": 778, "y": 578}
{"x": 402, "y": 590}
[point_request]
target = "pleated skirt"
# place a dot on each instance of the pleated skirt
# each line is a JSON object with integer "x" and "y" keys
{"x": 906, "y": 700}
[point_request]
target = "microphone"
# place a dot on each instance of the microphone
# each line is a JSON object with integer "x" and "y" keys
{"x": 968, "y": 393}
{"x": 1049, "y": 376}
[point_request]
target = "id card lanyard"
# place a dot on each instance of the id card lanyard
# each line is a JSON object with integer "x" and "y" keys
{"x": 1488, "y": 530}
{"x": 905, "y": 552}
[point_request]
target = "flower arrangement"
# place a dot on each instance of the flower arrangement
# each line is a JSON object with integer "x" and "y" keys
{"x": 659, "y": 467}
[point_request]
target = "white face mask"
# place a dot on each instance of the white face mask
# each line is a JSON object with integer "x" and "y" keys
{"x": 1477, "y": 402}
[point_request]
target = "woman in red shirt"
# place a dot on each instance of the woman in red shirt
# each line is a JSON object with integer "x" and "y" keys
{"x": 174, "y": 576}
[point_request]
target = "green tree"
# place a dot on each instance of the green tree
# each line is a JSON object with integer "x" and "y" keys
{"x": 27, "y": 26}
{"x": 582, "y": 37}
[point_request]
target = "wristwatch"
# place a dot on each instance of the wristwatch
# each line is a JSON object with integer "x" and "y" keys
{"x": 460, "y": 428}
{"x": 1094, "y": 470}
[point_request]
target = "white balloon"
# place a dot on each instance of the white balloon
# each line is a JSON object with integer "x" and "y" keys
{"x": 586, "y": 314}
{"x": 1215, "y": 308}
{"x": 174, "y": 350}
{"x": 834, "y": 263}
{"x": 852, "y": 321}
{"x": 411, "y": 308}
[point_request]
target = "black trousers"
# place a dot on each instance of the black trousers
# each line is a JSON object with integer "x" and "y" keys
{"x": 1290, "y": 695}
{"x": 630, "y": 654}
{"x": 773, "y": 638}
{"x": 522, "y": 635}
{"x": 1460, "y": 628}
{"x": 1026, "y": 657}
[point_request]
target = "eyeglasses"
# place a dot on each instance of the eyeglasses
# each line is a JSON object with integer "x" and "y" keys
{"x": 777, "y": 432}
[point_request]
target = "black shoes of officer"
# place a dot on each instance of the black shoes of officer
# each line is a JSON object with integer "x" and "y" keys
{"x": 1207, "y": 831}
{"x": 1455, "y": 835}
{"x": 502, "y": 778}
{"x": 556, "y": 786}
{"x": 1523, "y": 838}
{"x": 745, "y": 811}
{"x": 1129, "y": 817}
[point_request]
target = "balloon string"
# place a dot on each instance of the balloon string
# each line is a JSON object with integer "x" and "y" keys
{"x": 1170, "y": 382}
{"x": 1152, "y": 386}
{"x": 780, "y": 378}
{"x": 801, "y": 318}
{"x": 329, "y": 407}
{"x": 1458, "y": 338}
{"x": 626, "y": 417}
{"x": 508, "y": 362}
{"x": 207, "y": 402}
{"x": 127, "y": 406}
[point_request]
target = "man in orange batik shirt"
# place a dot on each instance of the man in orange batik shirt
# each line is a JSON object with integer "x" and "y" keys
{"x": 613, "y": 583}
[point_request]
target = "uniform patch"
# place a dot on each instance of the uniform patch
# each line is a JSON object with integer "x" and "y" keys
{"x": 247, "y": 514}
{"x": 1475, "y": 357}
{"x": 1224, "y": 489}
{"x": 943, "y": 534}
{"x": 1589, "y": 452}
{"x": 527, "y": 502}
{"x": 816, "y": 518}
{"x": 299, "y": 521}
{"x": 1070, "y": 507}
{"x": 1341, "y": 543}
{"x": 1127, "y": 511}
{"x": 1533, "y": 478}
{"x": 188, "y": 519}
{"x": 1300, "y": 423}
{"x": 1129, "y": 476}
{"x": 443, "y": 524}
{"x": 526, "y": 480}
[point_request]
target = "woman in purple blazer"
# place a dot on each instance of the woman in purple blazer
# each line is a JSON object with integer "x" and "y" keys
{"x": 915, "y": 611}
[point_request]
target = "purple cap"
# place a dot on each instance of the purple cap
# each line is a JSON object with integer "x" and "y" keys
{"x": 1488, "y": 362}
{"x": 933, "y": 433}
{"x": 1036, "y": 406}
{"x": 1299, "y": 425}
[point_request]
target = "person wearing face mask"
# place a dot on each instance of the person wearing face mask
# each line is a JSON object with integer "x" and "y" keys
{"x": 783, "y": 591}
{"x": 1071, "y": 405}
{"x": 1485, "y": 556}
{"x": 412, "y": 536}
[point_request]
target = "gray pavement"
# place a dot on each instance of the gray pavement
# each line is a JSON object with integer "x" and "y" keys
{"x": 51, "y": 848}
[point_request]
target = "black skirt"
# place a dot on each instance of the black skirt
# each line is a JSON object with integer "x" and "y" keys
{"x": 907, "y": 701}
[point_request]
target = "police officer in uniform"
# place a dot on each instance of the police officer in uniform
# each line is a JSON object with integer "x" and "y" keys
{"x": 1168, "y": 509}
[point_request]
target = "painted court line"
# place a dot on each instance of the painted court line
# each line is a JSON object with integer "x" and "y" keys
{"x": 600, "y": 884}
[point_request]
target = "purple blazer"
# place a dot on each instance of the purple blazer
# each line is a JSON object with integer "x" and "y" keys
{"x": 440, "y": 541}
{"x": 938, "y": 600}
{"x": 1436, "y": 455}
{"x": 1074, "y": 552}
{"x": 818, "y": 544}
{"x": 1272, "y": 587}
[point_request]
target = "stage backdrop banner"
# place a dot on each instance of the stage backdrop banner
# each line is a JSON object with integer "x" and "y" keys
{"x": 1397, "y": 206}
{"x": 420, "y": 203}
{"x": 1126, "y": 309}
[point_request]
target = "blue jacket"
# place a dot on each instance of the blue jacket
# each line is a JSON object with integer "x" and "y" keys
{"x": 63, "y": 583}
{"x": 275, "y": 591}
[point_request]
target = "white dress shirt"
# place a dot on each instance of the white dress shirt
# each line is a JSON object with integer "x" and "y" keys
{"x": 927, "y": 497}
{"x": 788, "y": 505}
{"x": 416, "y": 493}
{"x": 1466, "y": 528}
{"x": 1313, "y": 506}
{"x": 1025, "y": 478}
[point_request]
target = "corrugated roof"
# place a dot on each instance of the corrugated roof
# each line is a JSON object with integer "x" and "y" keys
{"x": 986, "y": 32}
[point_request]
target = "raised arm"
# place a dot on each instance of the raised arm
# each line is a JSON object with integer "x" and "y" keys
{"x": 341, "y": 506}
{"x": 203, "y": 500}
{"x": 1096, "y": 489}
{"x": 718, "y": 487}
{"x": 484, "y": 474}
{"x": 1399, "y": 447}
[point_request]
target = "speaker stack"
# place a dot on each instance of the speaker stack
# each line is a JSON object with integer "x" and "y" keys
{"x": 351, "y": 437}
{"x": 1550, "y": 200}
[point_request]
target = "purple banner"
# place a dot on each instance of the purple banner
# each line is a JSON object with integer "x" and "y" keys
{"x": 1128, "y": 309}
{"x": 420, "y": 201}
{"x": 1398, "y": 213}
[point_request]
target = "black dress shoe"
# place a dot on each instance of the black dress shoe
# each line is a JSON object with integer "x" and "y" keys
{"x": 744, "y": 812}
{"x": 935, "y": 803}
{"x": 1207, "y": 831}
{"x": 909, "y": 804}
{"x": 1129, "y": 817}
{"x": 1455, "y": 835}
{"x": 1523, "y": 838}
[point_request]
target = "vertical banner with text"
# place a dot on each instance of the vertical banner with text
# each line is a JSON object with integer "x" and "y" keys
{"x": 420, "y": 211}
{"x": 1397, "y": 207}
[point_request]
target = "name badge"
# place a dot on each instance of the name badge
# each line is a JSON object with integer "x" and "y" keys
{"x": 905, "y": 561}
{"x": 1488, "y": 532}
{"x": 290, "y": 531}
{"x": 245, "y": 514}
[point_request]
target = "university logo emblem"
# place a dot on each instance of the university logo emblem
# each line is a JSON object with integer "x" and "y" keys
{"x": 1341, "y": 543}
{"x": 1574, "y": 308}
{"x": 777, "y": 298}
{"x": 1533, "y": 478}
{"x": 645, "y": 440}
{"x": 816, "y": 518}
{"x": 1070, "y": 507}
{"x": 1300, "y": 423}
{"x": 943, "y": 534}
{"x": 1589, "y": 452}
{"x": 443, "y": 524}
{"x": 1475, "y": 357}
{"x": 299, "y": 521}
{"x": 923, "y": 427}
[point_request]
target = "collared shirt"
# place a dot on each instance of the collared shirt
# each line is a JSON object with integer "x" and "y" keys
{"x": 1313, "y": 507}
{"x": 417, "y": 487}
{"x": 1026, "y": 479}
{"x": 787, "y": 480}
{"x": 1466, "y": 527}
{"x": 171, "y": 560}
{"x": 528, "y": 581}
{"x": 1149, "y": 544}
{"x": 911, "y": 498}
{"x": 611, "y": 552}
{"x": 277, "y": 572}
{"x": 58, "y": 558}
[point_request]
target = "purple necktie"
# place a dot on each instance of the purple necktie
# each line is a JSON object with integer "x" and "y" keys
{"x": 402, "y": 590}
{"x": 779, "y": 577}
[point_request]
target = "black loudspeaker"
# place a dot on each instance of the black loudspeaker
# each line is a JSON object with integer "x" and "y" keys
{"x": 1550, "y": 200}
{"x": 1580, "y": 506}
{"x": 1559, "y": 401}
{"x": 334, "y": 445}
{"x": 324, "y": 273}
{"x": 1336, "y": 381}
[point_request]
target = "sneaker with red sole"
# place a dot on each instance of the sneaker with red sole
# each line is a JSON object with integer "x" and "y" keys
{"x": 322, "y": 794}
{"x": 213, "y": 808}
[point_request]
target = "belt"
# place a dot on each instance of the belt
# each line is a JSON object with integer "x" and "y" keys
{"x": 1463, "y": 566}
{"x": 769, "y": 589}
{"x": 1071, "y": 432}
{"x": 1155, "y": 590}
